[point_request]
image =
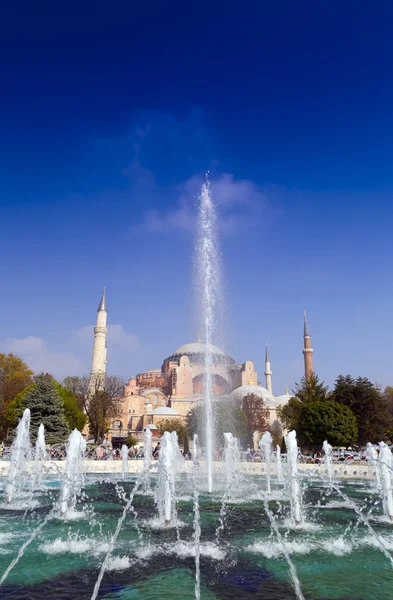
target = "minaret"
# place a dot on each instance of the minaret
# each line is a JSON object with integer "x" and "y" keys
{"x": 268, "y": 373}
{"x": 98, "y": 366}
{"x": 307, "y": 350}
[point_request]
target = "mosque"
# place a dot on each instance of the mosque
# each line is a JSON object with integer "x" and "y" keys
{"x": 171, "y": 391}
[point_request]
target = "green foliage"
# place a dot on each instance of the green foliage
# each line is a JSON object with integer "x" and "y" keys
{"x": 186, "y": 446}
{"x": 289, "y": 413}
{"x": 76, "y": 419}
{"x": 46, "y": 406}
{"x": 310, "y": 390}
{"x": 15, "y": 375}
{"x": 326, "y": 420}
{"x": 283, "y": 446}
{"x": 276, "y": 433}
{"x": 131, "y": 441}
{"x": 227, "y": 417}
{"x": 368, "y": 405}
{"x": 256, "y": 417}
{"x": 174, "y": 425}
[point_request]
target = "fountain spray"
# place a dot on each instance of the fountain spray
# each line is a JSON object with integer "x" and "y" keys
{"x": 197, "y": 522}
{"x": 73, "y": 476}
{"x": 208, "y": 267}
{"x": 279, "y": 472}
{"x": 372, "y": 460}
{"x": 294, "y": 486}
{"x": 40, "y": 456}
{"x": 147, "y": 454}
{"x": 170, "y": 463}
{"x": 385, "y": 464}
{"x": 328, "y": 450}
{"x": 265, "y": 445}
{"x": 231, "y": 456}
{"x": 124, "y": 457}
{"x": 20, "y": 452}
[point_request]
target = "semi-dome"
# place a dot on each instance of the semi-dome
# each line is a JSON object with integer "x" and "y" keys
{"x": 164, "y": 410}
{"x": 245, "y": 390}
{"x": 283, "y": 399}
{"x": 198, "y": 348}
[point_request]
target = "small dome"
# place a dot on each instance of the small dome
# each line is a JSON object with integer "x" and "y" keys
{"x": 198, "y": 348}
{"x": 245, "y": 390}
{"x": 164, "y": 410}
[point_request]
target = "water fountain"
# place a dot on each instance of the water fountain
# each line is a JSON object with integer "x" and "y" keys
{"x": 372, "y": 459}
{"x": 73, "y": 476}
{"x": 40, "y": 456}
{"x": 231, "y": 457}
{"x": 328, "y": 450}
{"x": 265, "y": 445}
{"x": 293, "y": 479}
{"x": 147, "y": 456}
{"x": 279, "y": 471}
{"x": 197, "y": 521}
{"x": 385, "y": 464}
{"x": 18, "y": 475}
{"x": 124, "y": 458}
{"x": 170, "y": 463}
{"x": 208, "y": 266}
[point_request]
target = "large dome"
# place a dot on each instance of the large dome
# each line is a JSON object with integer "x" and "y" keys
{"x": 244, "y": 390}
{"x": 198, "y": 348}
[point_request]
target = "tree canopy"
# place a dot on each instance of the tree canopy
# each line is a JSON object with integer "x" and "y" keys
{"x": 368, "y": 405}
{"x": 227, "y": 417}
{"x": 175, "y": 425}
{"x": 15, "y": 376}
{"x": 326, "y": 420}
{"x": 46, "y": 406}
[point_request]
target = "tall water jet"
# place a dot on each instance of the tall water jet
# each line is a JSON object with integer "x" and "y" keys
{"x": 265, "y": 445}
{"x": 294, "y": 486}
{"x": 73, "y": 476}
{"x": 197, "y": 522}
{"x": 124, "y": 458}
{"x": 208, "y": 266}
{"x": 279, "y": 473}
{"x": 328, "y": 450}
{"x": 170, "y": 462}
{"x": 20, "y": 452}
{"x": 385, "y": 464}
{"x": 40, "y": 456}
{"x": 231, "y": 457}
{"x": 372, "y": 460}
{"x": 147, "y": 456}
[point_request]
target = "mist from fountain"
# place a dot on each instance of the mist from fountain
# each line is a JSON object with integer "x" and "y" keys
{"x": 293, "y": 479}
{"x": 231, "y": 457}
{"x": 124, "y": 458}
{"x": 279, "y": 471}
{"x": 209, "y": 292}
{"x": 328, "y": 450}
{"x": 385, "y": 464}
{"x": 265, "y": 446}
{"x": 147, "y": 458}
{"x": 372, "y": 460}
{"x": 170, "y": 462}
{"x": 73, "y": 475}
{"x": 40, "y": 457}
{"x": 18, "y": 475}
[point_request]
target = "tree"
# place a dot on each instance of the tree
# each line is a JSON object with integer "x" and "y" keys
{"x": 283, "y": 446}
{"x": 257, "y": 416}
{"x": 326, "y": 420}
{"x": 228, "y": 416}
{"x": 309, "y": 390}
{"x": 276, "y": 433}
{"x": 46, "y": 406}
{"x": 367, "y": 403}
{"x": 388, "y": 398}
{"x": 174, "y": 425}
{"x": 102, "y": 401}
{"x": 15, "y": 376}
{"x": 130, "y": 441}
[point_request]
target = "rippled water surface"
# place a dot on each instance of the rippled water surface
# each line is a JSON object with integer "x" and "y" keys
{"x": 335, "y": 555}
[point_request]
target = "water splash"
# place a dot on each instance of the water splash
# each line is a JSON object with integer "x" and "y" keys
{"x": 328, "y": 450}
{"x": 231, "y": 457}
{"x": 40, "y": 456}
{"x": 208, "y": 268}
{"x": 20, "y": 453}
{"x": 170, "y": 462}
{"x": 279, "y": 472}
{"x": 124, "y": 457}
{"x": 265, "y": 445}
{"x": 147, "y": 457}
{"x": 197, "y": 522}
{"x": 385, "y": 465}
{"x": 372, "y": 460}
{"x": 293, "y": 479}
{"x": 73, "y": 475}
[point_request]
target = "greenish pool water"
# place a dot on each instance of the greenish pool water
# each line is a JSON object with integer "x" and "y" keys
{"x": 335, "y": 556}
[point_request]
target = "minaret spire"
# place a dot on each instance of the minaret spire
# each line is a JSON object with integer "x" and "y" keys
{"x": 98, "y": 366}
{"x": 307, "y": 350}
{"x": 268, "y": 372}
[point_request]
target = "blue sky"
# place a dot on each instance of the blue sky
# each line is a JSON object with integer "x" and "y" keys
{"x": 110, "y": 115}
